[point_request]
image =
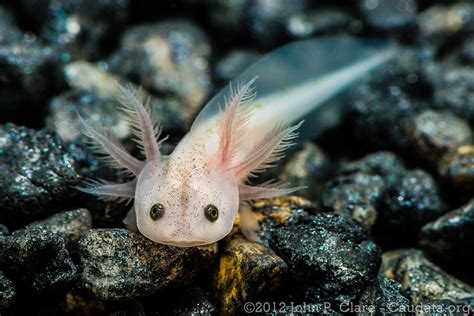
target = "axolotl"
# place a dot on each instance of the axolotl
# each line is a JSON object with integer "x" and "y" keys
{"x": 192, "y": 196}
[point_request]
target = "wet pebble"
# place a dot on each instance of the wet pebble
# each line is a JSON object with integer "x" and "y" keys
{"x": 436, "y": 133}
{"x": 383, "y": 107}
{"x": 37, "y": 258}
{"x": 170, "y": 57}
{"x": 69, "y": 225}
{"x": 424, "y": 281}
{"x": 38, "y": 174}
{"x": 309, "y": 167}
{"x": 4, "y": 231}
{"x": 451, "y": 237}
{"x": 328, "y": 255}
{"x": 118, "y": 264}
{"x": 263, "y": 20}
{"x": 187, "y": 301}
{"x": 454, "y": 90}
{"x": 457, "y": 168}
{"x": 246, "y": 271}
{"x": 95, "y": 97}
{"x": 82, "y": 28}
{"x": 7, "y": 291}
{"x": 467, "y": 51}
{"x": 384, "y": 297}
{"x": 316, "y": 22}
{"x": 411, "y": 202}
{"x": 440, "y": 21}
{"x": 29, "y": 71}
{"x": 383, "y": 163}
{"x": 357, "y": 196}
{"x": 389, "y": 15}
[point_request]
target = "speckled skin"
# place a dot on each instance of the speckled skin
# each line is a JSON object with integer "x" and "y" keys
{"x": 191, "y": 180}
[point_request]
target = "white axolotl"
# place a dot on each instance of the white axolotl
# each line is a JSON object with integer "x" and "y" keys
{"x": 191, "y": 197}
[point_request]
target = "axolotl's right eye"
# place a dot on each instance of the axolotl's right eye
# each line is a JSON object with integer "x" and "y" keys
{"x": 211, "y": 212}
{"x": 157, "y": 211}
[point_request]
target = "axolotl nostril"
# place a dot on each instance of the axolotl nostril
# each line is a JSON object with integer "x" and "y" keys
{"x": 191, "y": 197}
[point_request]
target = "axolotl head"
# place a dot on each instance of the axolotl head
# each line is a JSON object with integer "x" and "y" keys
{"x": 183, "y": 201}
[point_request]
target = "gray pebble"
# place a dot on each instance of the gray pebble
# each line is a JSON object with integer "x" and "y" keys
{"x": 384, "y": 297}
{"x": 70, "y": 225}
{"x": 457, "y": 169}
{"x": 80, "y": 28}
{"x": 39, "y": 260}
{"x": 389, "y": 14}
{"x": 328, "y": 256}
{"x": 357, "y": 196}
{"x": 454, "y": 90}
{"x": 411, "y": 202}
{"x": 309, "y": 167}
{"x": 38, "y": 174}
{"x": 7, "y": 291}
{"x": 450, "y": 238}
{"x": 315, "y": 22}
{"x": 439, "y": 22}
{"x": 170, "y": 57}
{"x": 436, "y": 133}
{"x": 423, "y": 280}
{"x": 118, "y": 264}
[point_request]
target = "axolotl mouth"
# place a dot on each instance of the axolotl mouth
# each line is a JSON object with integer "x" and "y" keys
{"x": 184, "y": 242}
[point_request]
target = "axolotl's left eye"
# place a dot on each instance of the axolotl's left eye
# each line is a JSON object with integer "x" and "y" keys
{"x": 157, "y": 211}
{"x": 211, "y": 212}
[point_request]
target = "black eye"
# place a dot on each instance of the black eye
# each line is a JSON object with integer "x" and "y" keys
{"x": 157, "y": 211}
{"x": 211, "y": 212}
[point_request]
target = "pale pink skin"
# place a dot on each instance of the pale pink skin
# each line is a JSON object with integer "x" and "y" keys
{"x": 210, "y": 165}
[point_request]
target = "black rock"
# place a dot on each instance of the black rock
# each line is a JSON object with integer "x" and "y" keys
{"x": 29, "y": 70}
{"x": 167, "y": 57}
{"x": 262, "y": 20}
{"x": 187, "y": 301}
{"x": 316, "y": 22}
{"x": 118, "y": 264}
{"x": 357, "y": 196}
{"x": 467, "y": 51}
{"x": 411, "y": 202}
{"x": 328, "y": 256}
{"x": 454, "y": 90}
{"x": 450, "y": 238}
{"x": 4, "y": 230}
{"x": 309, "y": 167}
{"x": 389, "y": 15}
{"x": 69, "y": 225}
{"x": 435, "y": 133}
{"x": 7, "y": 291}
{"x": 38, "y": 174}
{"x": 384, "y": 297}
{"x": 438, "y": 23}
{"x": 82, "y": 28}
{"x": 457, "y": 169}
{"x": 384, "y": 107}
{"x": 96, "y": 100}
{"x": 38, "y": 259}
{"x": 246, "y": 271}
{"x": 423, "y": 280}
{"x": 232, "y": 64}
{"x": 384, "y": 164}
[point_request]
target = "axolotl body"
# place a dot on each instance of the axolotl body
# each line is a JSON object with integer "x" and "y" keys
{"x": 191, "y": 197}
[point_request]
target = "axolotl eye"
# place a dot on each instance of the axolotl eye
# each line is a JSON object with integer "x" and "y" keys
{"x": 157, "y": 211}
{"x": 211, "y": 212}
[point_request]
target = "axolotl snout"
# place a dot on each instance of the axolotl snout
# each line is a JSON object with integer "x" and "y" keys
{"x": 191, "y": 197}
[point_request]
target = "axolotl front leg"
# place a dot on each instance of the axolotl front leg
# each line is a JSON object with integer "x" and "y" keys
{"x": 191, "y": 197}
